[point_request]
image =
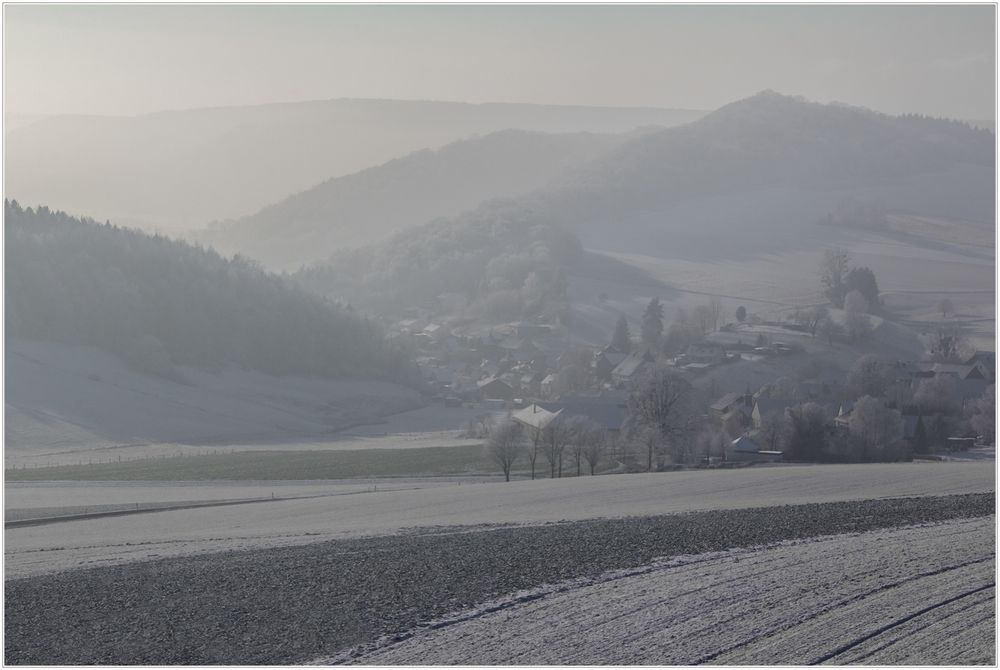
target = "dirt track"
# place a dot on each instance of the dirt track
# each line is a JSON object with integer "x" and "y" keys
{"x": 295, "y": 604}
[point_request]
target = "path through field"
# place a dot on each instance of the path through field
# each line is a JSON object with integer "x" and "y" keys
{"x": 918, "y": 595}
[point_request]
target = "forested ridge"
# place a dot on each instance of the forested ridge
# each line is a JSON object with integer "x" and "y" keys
{"x": 501, "y": 261}
{"x": 160, "y": 303}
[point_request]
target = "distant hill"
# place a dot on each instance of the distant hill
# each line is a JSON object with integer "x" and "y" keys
{"x": 768, "y": 141}
{"x": 368, "y": 206}
{"x": 162, "y": 305}
{"x": 749, "y": 180}
{"x": 178, "y": 170}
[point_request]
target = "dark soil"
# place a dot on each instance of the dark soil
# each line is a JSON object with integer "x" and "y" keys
{"x": 294, "y": 604}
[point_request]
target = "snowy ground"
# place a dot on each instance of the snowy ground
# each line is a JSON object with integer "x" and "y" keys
{"x": 122, "y": 539}
{"x": 919, "y": 595}
{"x": 73, "y": 402}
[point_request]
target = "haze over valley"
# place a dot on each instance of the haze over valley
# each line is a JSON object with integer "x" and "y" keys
{"x": 347, "y": 357}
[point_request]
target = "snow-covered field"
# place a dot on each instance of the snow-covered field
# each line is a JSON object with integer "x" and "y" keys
{"x": 113, "y": 540}
{"x": 917, "y": 595}
{"x": 66, "y": 403}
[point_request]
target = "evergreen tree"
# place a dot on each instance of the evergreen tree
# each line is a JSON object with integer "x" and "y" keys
{"x": 652, "y": 323}
{"x": 622, "y": 339}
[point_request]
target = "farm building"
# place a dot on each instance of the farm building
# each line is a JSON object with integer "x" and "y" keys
{"x": 495, "y": 389}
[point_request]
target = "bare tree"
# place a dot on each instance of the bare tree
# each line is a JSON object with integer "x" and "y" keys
{"x": 772, "y": 430}
{"x": 946, "y": 307}
{"x": 832, "y": 273}
{"x": 946, "y": 345}
{"x": 657, "y": 402}
{"x": 596, "y": 447}
{"x": 555, "y": 436}
{"x": 505, "y": 445}
{"x": 479, "y": 426}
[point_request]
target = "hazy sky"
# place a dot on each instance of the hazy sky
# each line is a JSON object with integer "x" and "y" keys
{"x": 132, "y": 59}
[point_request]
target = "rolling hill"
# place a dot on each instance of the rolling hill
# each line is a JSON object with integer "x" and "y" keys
{"x": 369, "y": 205}
{"x": 178, "y": 170}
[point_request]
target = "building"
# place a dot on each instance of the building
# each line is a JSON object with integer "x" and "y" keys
{"x": 765, "y": 407}
{"x": 495, "y": 389}
{"x": 632, "y": 367}
{"x": 607, "y": 409}
{"x": 745, "y": 450}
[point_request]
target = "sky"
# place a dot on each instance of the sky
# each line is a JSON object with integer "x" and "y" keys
{"x": 133, "y": 59}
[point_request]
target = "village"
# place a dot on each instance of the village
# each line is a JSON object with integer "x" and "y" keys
{"x": 877, "y": 408}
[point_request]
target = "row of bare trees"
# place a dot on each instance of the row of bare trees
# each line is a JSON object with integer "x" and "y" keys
{"x": 579, "y": 439}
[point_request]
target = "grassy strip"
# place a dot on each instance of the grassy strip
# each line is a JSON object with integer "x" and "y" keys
{"x": 286, "y": 465}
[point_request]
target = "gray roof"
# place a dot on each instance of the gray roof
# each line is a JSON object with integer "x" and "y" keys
{"x": 725, "y": 401}
{"x": 607, "y": 411}
{"x": 766, "y": 406}
{"x": 744, "y": 443}
{"x": 628, "y": 367}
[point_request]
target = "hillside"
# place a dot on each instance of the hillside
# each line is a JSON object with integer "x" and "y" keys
{"x": 729, "y": 206}
{"x": 499, "y": 263}
{"x": 178, "y": 170}
{"x": 771, "y": 142}
{"x": 368, "y": 206}
{"x": 160, "y": 304}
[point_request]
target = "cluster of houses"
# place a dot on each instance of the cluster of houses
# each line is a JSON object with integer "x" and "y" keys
{"x": 532, "y": 366}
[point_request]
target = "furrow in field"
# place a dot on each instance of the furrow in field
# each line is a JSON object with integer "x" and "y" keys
{"x": 914, "y": 595}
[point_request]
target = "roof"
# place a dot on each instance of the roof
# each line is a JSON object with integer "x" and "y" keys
{"x": 766, "y": 406}
{"x": 605, "y": 410}
{"x": 987, "y": 358}
{"x": 725, "y": 401}
{"x": 744, "y": 443}
{"x": 629, "y": 366}
{"x": 484, "y": 382}
{"x": 534, "y": 416}
{"x": 962, "y": 371}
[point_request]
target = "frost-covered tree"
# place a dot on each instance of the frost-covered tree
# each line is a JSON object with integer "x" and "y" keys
{"x": 833, "y": 271}
{"x": 876, "y": 428}
{"x": 505, "y": 445}
{"x": 868, "y": 377}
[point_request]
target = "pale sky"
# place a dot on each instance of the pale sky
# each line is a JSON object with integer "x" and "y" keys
{"x": 936, "y": 60}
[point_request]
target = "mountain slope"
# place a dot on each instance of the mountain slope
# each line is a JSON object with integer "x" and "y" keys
{"x": 180, "y": 169}
{"x": 159, "y": 304}
{"x": 768, "y": 141}
{"x": 369, "y": 205}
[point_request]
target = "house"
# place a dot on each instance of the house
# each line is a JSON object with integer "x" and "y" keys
{"x": 494, "y": 388}
{"x": 765, "y": 407}
{"x": 534, "y": 417}
{"x": 733, "y": 401}
{"x": 605, "y": 361}
{"x": 745, "y": 450}
{"x": 607, "y": 409}
{"x": 632, "y": 367}
{"x": 988, "y": 361}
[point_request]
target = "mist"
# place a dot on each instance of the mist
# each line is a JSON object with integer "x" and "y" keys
{"x": 509, "y": 334}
